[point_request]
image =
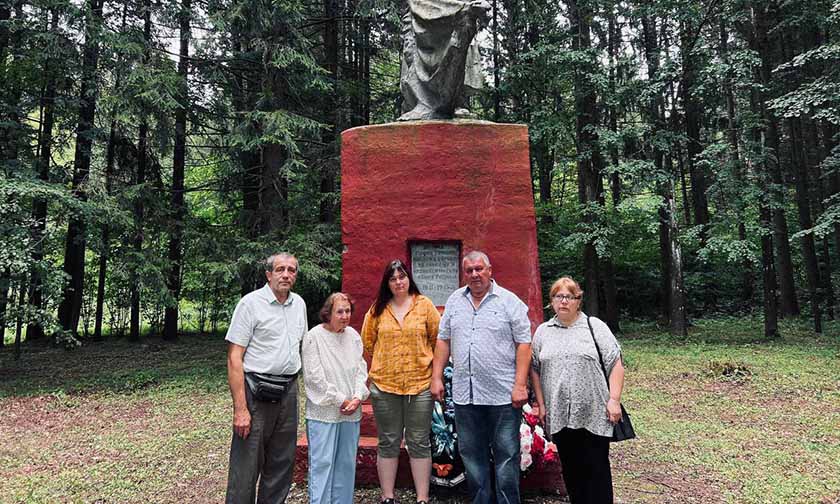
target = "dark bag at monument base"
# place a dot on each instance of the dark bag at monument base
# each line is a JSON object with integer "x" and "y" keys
{"x": 268, "y": 387}
{"x": 623, "y": 430}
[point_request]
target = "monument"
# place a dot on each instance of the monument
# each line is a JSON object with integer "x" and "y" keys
{"x": 430, "y": 188}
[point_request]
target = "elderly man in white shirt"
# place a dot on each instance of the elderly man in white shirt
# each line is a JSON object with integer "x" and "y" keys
{"x": 263, "y": 364}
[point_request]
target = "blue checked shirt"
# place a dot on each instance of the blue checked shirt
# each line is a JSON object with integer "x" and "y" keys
{"x": 483, "y": 344}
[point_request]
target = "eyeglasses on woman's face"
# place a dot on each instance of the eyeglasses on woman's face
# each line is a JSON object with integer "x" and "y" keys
{"x": 565, "y": 298}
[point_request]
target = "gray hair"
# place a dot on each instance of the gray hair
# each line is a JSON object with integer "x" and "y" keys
{"x": 269, "y": 261}
{"x": 474, "y": 256}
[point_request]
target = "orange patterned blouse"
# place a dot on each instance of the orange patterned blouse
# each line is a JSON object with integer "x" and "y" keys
{"x": 401, "y": 356}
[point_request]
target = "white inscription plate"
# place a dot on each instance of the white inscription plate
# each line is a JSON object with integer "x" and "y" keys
{"x": 434, "y": 267}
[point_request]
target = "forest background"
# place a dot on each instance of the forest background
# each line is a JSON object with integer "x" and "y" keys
{"x": 684, "y": 154}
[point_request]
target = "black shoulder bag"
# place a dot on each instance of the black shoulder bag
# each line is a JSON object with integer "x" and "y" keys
{"x": 623, "y": 430}
{"x": 267, "y": 387}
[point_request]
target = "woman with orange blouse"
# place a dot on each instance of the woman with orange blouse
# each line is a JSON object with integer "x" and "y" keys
{"x": 399, "y": 335}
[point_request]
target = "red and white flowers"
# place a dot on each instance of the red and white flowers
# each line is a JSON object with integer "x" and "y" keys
{"x": 535, "y": 450}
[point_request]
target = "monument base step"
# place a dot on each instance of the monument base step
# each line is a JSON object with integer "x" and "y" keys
{"x": 366, "y": 475}
{"x": 548, "y": 479}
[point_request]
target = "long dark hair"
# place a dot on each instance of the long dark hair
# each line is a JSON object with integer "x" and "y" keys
{"x": 385, "y": 293}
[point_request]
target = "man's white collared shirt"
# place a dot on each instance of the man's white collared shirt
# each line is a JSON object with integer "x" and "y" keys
{"x": 270, "y": 331}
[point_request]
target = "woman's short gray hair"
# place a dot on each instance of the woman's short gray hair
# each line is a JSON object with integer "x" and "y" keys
{"x": 326, "y": 311}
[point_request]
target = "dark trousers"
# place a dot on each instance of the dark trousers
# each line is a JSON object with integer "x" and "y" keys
{"x": 267, "y": 454}
{"x": 585, "y": 458}
{"x": 480, "y": 430}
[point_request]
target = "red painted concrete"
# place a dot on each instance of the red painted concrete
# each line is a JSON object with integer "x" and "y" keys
{"x": 368, "y": 423}
{"x": 468, "y": 181}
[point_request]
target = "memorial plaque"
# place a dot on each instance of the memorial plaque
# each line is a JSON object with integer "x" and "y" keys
{"x": 435, "y": 269}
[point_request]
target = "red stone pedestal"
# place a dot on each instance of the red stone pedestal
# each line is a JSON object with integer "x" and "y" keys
{"x": 438, "y": 181}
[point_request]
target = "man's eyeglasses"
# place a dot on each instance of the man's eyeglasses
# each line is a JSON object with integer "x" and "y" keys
{"x": 565, "y": 298}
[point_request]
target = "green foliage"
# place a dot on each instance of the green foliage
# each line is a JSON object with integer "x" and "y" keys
{"x": 267, "y": 103}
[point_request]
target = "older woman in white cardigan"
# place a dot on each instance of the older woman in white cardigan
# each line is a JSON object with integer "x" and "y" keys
{"x": 334, "y": 374}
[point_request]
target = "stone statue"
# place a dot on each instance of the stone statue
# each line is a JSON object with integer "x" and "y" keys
{"x": 440, "y": 59}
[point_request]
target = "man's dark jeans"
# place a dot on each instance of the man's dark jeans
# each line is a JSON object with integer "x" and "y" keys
{"x": 267, "y": 454}
{"x": 480, "y": 430}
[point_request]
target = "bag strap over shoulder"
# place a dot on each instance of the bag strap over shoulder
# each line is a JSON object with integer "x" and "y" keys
{"x": 600, "y": 357}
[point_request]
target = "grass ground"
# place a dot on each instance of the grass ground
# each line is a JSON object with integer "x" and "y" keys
{"x": 721, "y": 418}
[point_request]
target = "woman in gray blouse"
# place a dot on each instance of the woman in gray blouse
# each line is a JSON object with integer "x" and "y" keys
{"x": 576, "y": 406}
{"x": 334, "y": 375}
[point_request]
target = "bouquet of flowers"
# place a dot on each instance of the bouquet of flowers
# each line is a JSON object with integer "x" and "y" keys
{"x": 535, "y": 450}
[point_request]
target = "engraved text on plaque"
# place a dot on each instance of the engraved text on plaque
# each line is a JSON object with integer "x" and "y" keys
{"x": 435, "y": 269}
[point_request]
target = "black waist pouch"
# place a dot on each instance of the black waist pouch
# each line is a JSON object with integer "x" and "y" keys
{"x": 268, "y": 387}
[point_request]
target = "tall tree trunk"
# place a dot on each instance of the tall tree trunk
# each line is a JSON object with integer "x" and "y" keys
{"x": 497, "y": 99}
{"x": 768, "y": 275}
{"x": 329, "y": 168}
{"x": 669, "y": 229}
{"x": 100, "y": 283}
{"x": 789, "y": 302}
{"x": 544, "y": 159}
{"x": 829, "y": 134}
{"x": 251, "y": 209}
{"x": 693, "y": 116}
{"x": 768, "y": 269}
{"x": 611, "y": 313}
{"x": 763, "y": 17}
{"x": 817, "y": 155}
{"x": 747, "y": 274}
{"x": 110, "y": 154}
{"x": 170, "y": 324}
{"x": 676, "y": 315}
{"x": 21, "y": 291}
{"x": 74, "y": 253}
{"x": 135, "y": 282}
{"x": 106, "y": 234}
{"x": 10, "y": 128}
{"x": 683, "y": 187}
{"x": 34, "y": 329}
{"x": 5, "y": 283}
{"x": 803, "y": 202}
{"x": 11, "y": 92}
{"x": 825, "y": 276}
{"x": 589, "y": 159}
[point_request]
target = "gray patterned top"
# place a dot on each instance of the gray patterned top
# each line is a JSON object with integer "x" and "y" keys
{"x": 573, "y": 384}
{"x": 483, "y": 344}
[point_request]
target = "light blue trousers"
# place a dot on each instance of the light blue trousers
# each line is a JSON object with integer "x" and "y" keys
{"x": 332, "y": 461}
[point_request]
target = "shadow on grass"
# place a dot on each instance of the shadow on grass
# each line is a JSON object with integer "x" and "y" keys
{"x": 115, "y": 366}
